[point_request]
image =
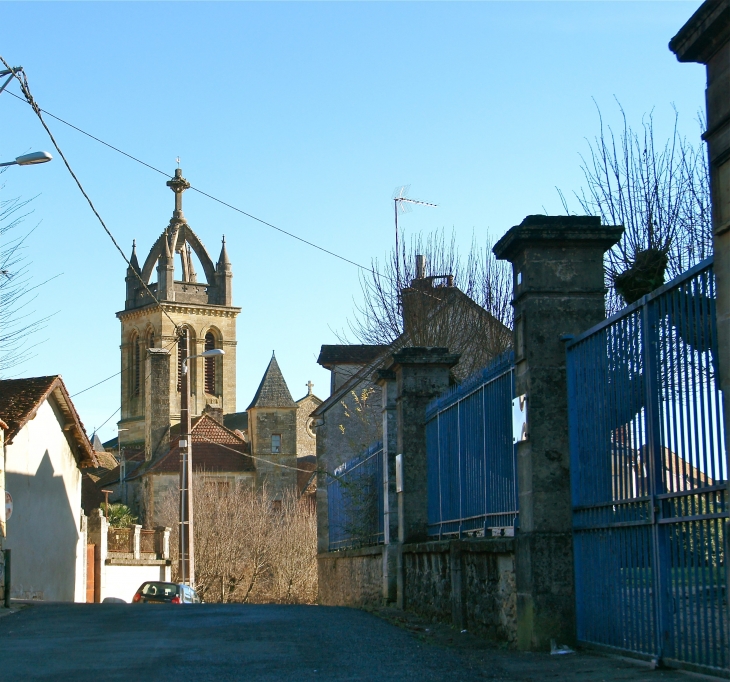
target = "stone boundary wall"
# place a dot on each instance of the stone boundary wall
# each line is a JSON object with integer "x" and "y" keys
{"x": 469, "y": 583}
{"x": 351, "y": 577}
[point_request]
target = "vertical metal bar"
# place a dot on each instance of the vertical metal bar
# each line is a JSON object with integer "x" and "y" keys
{"x": 8, "y": 576}
{"x": 656, "y": 459}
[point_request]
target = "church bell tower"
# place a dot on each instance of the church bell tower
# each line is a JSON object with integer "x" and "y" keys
{"x": 155, "y": 316}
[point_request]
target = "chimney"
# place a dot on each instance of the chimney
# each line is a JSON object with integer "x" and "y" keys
{"x": 156, "y": 403}
{"x": 420, "y": 267}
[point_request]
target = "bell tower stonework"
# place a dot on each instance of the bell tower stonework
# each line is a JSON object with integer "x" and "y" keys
{"x": 203, "y": 311}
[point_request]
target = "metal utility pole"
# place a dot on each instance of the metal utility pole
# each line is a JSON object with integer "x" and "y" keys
{"x": 186, "y": 535}
{"x": 402, "y": 204}
{"x": 187, "y": 548}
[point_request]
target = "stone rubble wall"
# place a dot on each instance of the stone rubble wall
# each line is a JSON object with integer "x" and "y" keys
{"x": 468, "y": 583}
{"x": 352, "y": 577}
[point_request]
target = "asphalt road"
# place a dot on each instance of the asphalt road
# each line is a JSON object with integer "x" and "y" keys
{"x": 107, "y": 642}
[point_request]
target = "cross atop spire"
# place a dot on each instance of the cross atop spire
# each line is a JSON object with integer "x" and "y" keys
{"x": 178, "y": 184}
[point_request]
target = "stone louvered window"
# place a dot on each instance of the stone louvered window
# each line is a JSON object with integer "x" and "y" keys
{"x": 210, "y": 365}
{"x": 135, "y": 365}
{"x": 180, "y": 357}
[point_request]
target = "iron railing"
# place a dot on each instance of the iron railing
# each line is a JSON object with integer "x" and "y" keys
{"x": 355, "y": 501}
{"x": 472, "y": 482}
{"x": 649, "y": 478}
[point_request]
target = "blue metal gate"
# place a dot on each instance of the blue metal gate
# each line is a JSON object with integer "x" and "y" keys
{"x": 471, "y": 467}
{"x": 649, "y": 479}
{"x": 355, "y": 501}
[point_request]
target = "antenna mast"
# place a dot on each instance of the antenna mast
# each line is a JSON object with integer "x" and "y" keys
{"x": 402, "y": 204}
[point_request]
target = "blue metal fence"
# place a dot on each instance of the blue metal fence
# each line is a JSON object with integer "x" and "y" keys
{"x": 472, "y": 482}
{"x": 355, "y": 501}
{"x": 649, "y": 478}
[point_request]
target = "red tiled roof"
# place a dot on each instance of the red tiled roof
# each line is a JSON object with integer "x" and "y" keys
{"x": 215, "y": 448}
{"x": 19, "y": 400}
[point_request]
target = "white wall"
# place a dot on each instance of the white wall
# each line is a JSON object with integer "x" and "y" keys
{"x": 43, "y": 533}
{"x": 123, "y": 581}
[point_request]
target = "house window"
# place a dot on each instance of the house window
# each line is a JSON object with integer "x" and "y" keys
{"x": 210, "y": 365}
{"x": 275, "y": 444}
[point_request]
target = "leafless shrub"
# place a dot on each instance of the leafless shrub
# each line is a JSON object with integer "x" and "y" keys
{"x": 294, "y": 556}
{"x": 18, "y": 322}
{"x": 660, "y": 193}
{"x": 440, "y": 315}
{"x": 248, "y": 547}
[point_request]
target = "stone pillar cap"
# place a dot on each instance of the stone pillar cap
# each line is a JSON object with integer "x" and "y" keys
{"x": 380, "y": 376}
{"x": 419, "y": 355}
{"x": 705, "y": 32}
{"x": 158, "y": 351}
{"x": 574, "y": 230}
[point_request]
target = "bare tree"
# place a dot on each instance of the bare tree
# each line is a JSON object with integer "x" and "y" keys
{"x": 460, "y": 304}
{"x": 660, "y": 193}
{"x": 294, "y": 559}
{"x": 248, "y": 548}
{"x": 17, "y": 321}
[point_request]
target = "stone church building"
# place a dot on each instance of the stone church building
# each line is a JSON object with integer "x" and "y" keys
{"x": 271, "y": 441}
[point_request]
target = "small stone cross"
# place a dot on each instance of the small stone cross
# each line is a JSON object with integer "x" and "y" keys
{"x": 309, "y": 386}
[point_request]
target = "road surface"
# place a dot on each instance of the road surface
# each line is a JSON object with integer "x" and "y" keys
{"x": 108, "y": 642}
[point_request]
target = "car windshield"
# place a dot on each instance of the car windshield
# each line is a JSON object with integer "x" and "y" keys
{"x": 159, "y": 590}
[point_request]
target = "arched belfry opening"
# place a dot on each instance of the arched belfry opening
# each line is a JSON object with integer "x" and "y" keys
{"x": 178, "y": 287}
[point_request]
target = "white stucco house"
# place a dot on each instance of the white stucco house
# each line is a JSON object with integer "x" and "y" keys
{"x": 45, "y": 448}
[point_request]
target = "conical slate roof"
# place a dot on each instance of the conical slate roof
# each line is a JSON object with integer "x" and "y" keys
{"x": 272, "y": 391}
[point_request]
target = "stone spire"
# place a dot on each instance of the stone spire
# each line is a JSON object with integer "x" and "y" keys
{"x": 133, "y": 262}
{"x": 272, "y": 391}
{"x": 224, "y": 277}
{"x": 223, "y": 262}
{"x": 178, "y": 184}
{"x": 166, "y": 272}
{"x": 132, "y": 278}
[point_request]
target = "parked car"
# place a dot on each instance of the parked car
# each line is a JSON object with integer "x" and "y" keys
{"x": 153, "y": 592}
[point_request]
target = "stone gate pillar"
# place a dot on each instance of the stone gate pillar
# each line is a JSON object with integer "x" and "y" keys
{"x": 558, "y": 279}
{"x": 385, "y": 378}
{"x": 705, "y": 39}
{"x": 421, "y": 374}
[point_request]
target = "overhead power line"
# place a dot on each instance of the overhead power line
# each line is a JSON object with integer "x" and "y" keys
{"x": 200, "y": 191}
{"x": 29, "y": 98}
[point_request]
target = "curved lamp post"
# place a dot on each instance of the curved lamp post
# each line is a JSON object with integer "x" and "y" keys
{"x": 186, "y": 544}
{"x": 29, "y": 159}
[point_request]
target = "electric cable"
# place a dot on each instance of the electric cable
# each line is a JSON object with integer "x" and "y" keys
{"x": 25, "y": 89}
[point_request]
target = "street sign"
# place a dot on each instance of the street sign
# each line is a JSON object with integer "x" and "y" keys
{"x": 8, "y": 505}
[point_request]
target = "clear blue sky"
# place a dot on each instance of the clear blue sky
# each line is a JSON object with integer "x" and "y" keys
{"x": 308, "y": 116}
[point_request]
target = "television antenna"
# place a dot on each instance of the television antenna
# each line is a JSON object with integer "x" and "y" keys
{"x": 403, "y": 204}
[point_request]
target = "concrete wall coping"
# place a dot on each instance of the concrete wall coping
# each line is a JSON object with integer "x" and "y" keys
{"x": 122, "y": 561}
{"x": 361, "y": 551}
{"x": 476, "y": 545}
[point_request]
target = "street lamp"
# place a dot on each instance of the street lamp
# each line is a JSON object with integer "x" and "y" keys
{"x": 29, "y": 159}
{"x": 186, "y": 543}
